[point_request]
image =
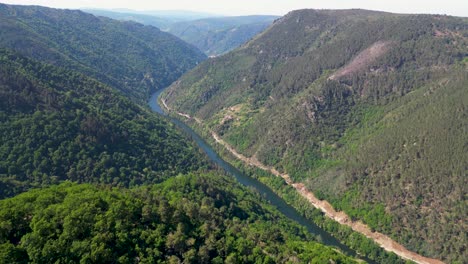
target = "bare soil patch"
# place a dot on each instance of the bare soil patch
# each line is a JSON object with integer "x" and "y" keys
{"x": 363, "y": 59}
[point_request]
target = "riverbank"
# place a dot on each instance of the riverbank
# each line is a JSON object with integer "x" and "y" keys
{"x": 266, "y": 191}
{"x": 384, "y": 241}
{"x": 340, "y": 217}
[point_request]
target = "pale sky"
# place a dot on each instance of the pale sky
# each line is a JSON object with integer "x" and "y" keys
{"x": 273, "y": 7}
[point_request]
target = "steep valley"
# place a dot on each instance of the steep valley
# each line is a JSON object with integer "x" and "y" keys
{"x": 129, "y": 57}
{"x": 90, "y": 175}
{"x": 366, "y": 109}
{"x": 332, "y": 136}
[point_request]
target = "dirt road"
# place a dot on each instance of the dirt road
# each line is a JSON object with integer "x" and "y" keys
{"x": 384, "y": 241}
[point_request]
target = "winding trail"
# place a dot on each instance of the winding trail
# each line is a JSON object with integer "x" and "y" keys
{"x": 341, "y": 217}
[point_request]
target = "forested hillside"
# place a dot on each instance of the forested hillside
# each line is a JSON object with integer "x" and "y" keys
{"x": 57, "y": 125}
{"x": 127, "y": 56}
{"x": 97, "y": 178}
{"x": 193, "y": 218}
{"x": 218, "y": 35}
{"x": 367, "y": 108}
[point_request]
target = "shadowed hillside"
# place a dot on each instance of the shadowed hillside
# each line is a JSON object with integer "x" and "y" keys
{"x": 128, "y": 56}
{"x": 60, "y": 125}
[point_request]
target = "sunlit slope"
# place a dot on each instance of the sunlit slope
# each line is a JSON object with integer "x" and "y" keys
{"x": 197, "y": 218}
{"x": 367, "y": 108}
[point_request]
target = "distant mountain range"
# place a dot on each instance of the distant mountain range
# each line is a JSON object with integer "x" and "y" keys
{"x": 159, "y": 22}
{"x": 179, "y": 15}
{"x": 214, "y": 35}
{"x": 159, "y": 19}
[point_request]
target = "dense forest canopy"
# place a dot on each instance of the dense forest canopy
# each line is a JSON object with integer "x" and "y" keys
{"x": 195, "y": 218}
{"x": 96, "y": 178}
{"x": 60, "y": 125}
{"x": 368, "y": 109}
{"x": 130, "y": 57}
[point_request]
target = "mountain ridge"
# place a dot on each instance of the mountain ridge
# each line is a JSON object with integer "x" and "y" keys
{"x": 218, "y": 35}
{"x": 61, "y": 125}
{"x": 150, "y": 194}
{"x": 128, "y": 56}
{"x": 283, "y": 99}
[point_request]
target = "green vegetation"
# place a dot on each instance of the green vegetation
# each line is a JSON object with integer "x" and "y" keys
{"x": 132, "y": 58}
{"x": 64, "y": 119}
{"x": 368, "y": 109}
{"x": 58, "y": 125}
{"x": 218, "y": 35}
{"x": 416, "y": 155}
{"x": 344, "y": 234}
{"x": 193, "y": 218}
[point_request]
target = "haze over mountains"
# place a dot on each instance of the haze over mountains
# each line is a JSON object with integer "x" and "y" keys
{"x": 367, "y": 108}
{"x": 212, "y": 34}
{"x": 159, "y": 19}
{"x": 215, "y": 36}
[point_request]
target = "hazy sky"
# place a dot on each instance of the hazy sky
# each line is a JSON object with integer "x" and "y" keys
{"x": 276, "y": 7}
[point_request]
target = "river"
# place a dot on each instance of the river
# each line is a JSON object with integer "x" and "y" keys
{"x": 245, "y": 180}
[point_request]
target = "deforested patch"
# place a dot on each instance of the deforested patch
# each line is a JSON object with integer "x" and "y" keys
{"x": 363, "y": 59}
